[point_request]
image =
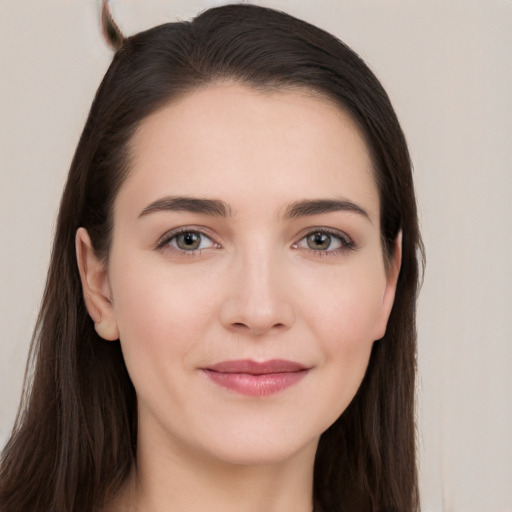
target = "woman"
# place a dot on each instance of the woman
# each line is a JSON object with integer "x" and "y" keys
{"x": 228, "y": 321}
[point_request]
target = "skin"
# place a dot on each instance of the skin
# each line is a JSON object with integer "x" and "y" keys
{"x": 257, "y": 288}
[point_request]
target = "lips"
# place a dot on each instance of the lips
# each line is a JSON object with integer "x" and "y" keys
{"x": 254, "y": 378}
{"x": 257, "y": 368}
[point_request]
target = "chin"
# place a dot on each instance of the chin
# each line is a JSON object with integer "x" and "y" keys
{"x": 261, "y": 450}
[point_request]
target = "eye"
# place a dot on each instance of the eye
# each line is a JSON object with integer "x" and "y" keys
{"x": 326, "y": 241}
{"x": 186, "y": 240}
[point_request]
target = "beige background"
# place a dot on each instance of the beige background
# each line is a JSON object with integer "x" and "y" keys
{"x": 447, "y": 67}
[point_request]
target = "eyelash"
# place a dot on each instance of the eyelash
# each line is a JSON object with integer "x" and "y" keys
{"x": 346, "y": 243}
{"x": 164, "y": 242}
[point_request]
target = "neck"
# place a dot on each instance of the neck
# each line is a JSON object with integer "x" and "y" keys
{"x": 163, "y": 482}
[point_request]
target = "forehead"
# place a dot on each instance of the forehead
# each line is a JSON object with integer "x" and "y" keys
{"x": 229, "y": 141}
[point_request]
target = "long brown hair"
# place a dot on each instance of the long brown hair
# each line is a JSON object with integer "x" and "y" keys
{"x": 74, "y": 441}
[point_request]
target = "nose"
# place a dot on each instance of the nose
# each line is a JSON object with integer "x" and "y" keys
{"x": 258, "y": 299}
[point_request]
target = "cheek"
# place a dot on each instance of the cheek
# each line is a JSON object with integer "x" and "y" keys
{"x": 349, "y": 306}
{"x": 160, "y": 314}
{"x": 347, "y": 335}
{"x": 344, "y": 321}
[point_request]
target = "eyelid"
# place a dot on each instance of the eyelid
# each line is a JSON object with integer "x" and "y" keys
{"x": 163, "y": 241}
{"x": 347, "y": 243}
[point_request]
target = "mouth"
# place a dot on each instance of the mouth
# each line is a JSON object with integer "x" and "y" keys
{"x": 253, "y": 378}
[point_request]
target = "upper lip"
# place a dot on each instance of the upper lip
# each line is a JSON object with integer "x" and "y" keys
{"x": 251, "y": 367}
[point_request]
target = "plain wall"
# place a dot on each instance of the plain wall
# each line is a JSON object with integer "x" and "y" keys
{"x": 447, "y": 68}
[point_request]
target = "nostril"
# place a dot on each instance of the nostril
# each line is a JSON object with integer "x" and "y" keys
{"x": 261, "y": 329}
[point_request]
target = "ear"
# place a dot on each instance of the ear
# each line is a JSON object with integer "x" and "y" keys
{"x": 96, "y": 287}
{"x": 388, "y": 297}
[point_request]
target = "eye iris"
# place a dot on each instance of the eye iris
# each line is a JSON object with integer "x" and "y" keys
{"x": 188, "y": 241}
{"x": 319, "y": 241}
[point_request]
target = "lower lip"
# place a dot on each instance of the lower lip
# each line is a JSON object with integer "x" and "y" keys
{"x": 256, "y": 385}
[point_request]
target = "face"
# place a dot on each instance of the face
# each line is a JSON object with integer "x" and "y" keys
{"x": 246, "y": 278}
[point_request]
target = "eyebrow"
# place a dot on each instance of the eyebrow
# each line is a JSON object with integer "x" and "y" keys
{"x": 212, "y": 207}
{"x": 218, "y": 208}
{"x": 318, "y": 206}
